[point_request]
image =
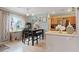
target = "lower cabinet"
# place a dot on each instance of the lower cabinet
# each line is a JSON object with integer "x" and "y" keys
{"x": 15, "y": 36}
{"x": 62, "y": 43}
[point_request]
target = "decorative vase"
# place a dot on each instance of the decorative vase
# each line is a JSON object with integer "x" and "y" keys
{"x": 69, "y": 29}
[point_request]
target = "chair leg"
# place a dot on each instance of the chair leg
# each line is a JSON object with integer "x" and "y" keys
{"x": 40, "y": 37}
{"x": 28, "y": 40}
{"x": 37, "y": 41}
{"x": 23, "y": 40}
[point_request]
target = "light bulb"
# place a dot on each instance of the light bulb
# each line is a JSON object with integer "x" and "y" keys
{"x": 27, "y": 14}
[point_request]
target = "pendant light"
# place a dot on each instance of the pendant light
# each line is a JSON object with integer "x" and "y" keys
{"x": 27, "y": 12}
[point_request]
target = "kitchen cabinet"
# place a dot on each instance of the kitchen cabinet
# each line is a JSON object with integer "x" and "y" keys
{"x": 59, "y": 42}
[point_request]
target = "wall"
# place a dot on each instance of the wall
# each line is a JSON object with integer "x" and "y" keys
{"x": 34, "y": 18}
{"x": 45, "y": 25}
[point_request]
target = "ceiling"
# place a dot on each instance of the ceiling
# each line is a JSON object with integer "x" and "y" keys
{"x": 39, "y": 10}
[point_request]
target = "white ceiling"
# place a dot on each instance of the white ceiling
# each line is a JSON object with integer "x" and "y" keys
{"x": 39, "y": 10}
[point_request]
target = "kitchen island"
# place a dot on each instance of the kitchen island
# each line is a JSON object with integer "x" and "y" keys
{"x": 62, "y": 42}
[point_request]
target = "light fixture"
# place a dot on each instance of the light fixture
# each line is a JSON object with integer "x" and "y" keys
{"x": 71, "y": 9}
{"x": 32, "y": 14}
{"x": 48, "y": 16}
{"x": 27, "y": 12}
{"x": 53, "y": 12}
{"x": 78, "y": 8}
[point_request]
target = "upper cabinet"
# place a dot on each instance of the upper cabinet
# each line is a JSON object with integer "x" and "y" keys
{"x": 55, "y": 20}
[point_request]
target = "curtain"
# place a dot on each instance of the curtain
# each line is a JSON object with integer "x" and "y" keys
{"x": 5, "y": 26}
{"x": 1, "y": 25}
{"x": 5, "y": 18}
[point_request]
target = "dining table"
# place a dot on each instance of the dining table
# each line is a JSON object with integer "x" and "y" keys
{"x": 35, "y": 32}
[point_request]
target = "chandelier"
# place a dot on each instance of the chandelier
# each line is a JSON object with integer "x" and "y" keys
{"x": 28, "y": 12}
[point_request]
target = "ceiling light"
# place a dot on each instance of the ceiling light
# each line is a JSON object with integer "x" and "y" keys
{"x": 32, "y": 14}
{"x": 53, "y": 12}
{"x": 48, "y": 16}
{"x": 69, "y": 10}
{"x": 27, "y": 12}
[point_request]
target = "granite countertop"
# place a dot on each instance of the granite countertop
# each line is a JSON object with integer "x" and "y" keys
{"x": 64, "y": 33}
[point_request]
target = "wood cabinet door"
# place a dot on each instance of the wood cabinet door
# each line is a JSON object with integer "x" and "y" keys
{"x": 56, "y": 43}
{"x": 72, "y": 44}
{"x": 62, "y": 43}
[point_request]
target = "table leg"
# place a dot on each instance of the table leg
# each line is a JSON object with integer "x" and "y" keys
{"x": 10, "y": 37}
{"x": 42, "y": 34}
{"x": 32, "y": 40}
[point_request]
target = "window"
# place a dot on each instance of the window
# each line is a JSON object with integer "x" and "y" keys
{"x": 16, "y": 23}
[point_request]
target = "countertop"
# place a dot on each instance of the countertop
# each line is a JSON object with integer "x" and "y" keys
{"x": 64, "y": 33}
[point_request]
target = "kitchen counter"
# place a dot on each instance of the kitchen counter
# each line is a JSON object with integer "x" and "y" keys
{"x": 56, "y": 41}
{"x": 61, "y": 34}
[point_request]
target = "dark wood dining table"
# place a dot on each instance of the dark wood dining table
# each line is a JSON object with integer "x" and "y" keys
{"x": 34, "y": 33}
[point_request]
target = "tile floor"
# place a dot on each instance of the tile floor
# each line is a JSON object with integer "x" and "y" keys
{"x": 18, "y": 46}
